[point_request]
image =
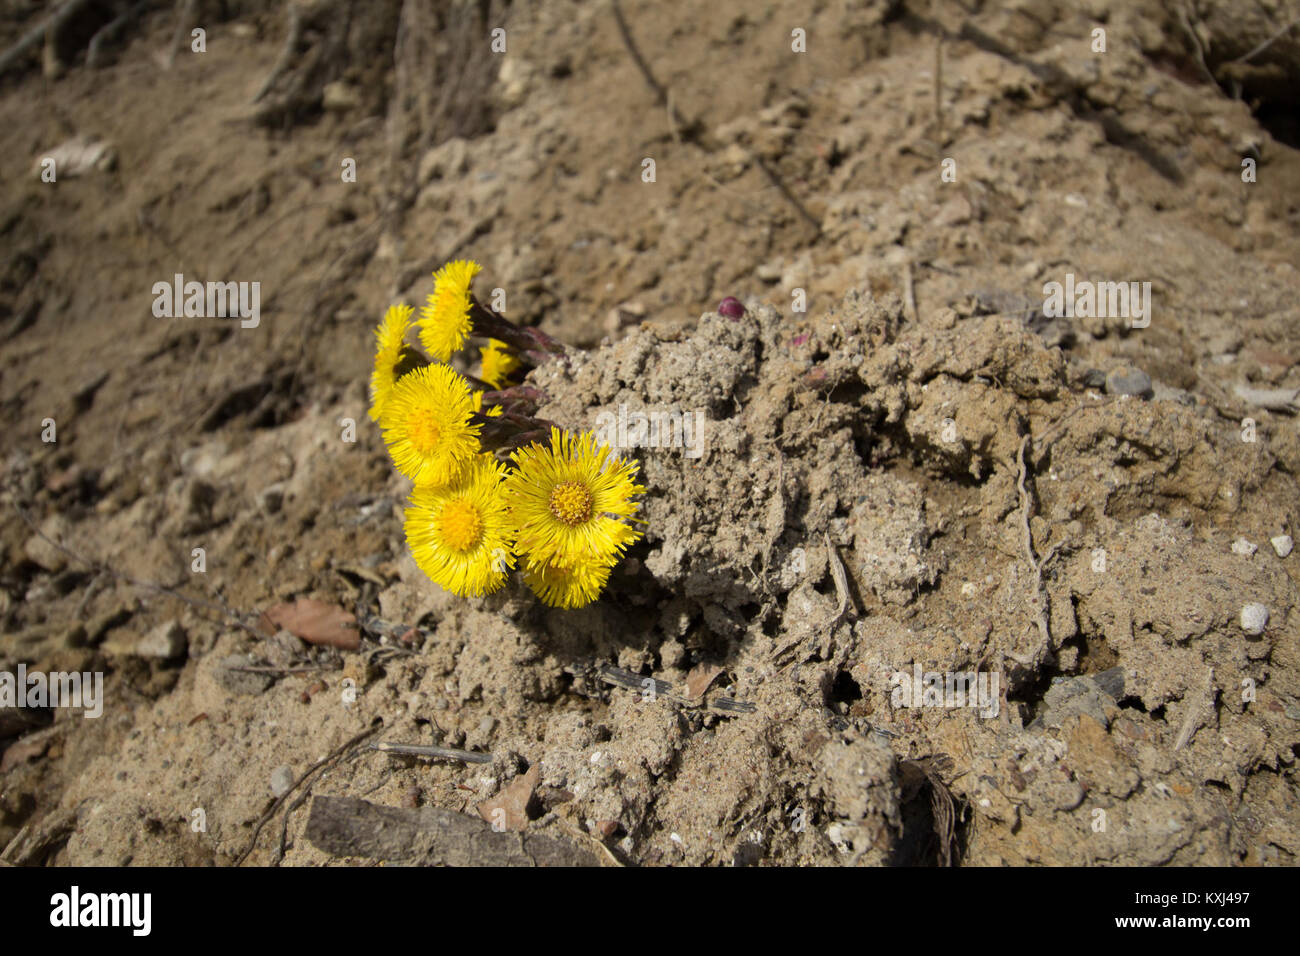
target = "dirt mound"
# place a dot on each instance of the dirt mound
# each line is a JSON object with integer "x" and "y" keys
{"x": 931, "y": 573}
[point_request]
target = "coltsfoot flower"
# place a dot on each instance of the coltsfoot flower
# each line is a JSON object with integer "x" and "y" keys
{"x": 460, "y": 534}
{"x": 393, "y": 357}
{"x": 426, "y": 423}
{"x": 567, "y": 585}
{"x": 445, "y": 321}
{"x": 451, "y": 315}
{"x": 563, "y": 503}
{"x": 568, "y": 501}
{"x": 497, "y": 363}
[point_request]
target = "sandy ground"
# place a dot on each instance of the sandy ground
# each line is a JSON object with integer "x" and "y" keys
{"x": 903, "y": 461}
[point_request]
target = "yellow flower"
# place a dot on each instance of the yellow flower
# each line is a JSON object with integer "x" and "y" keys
{"x": 567, "y": 586}
{"x": 426, "y": 423}
{"x": 497, "y": 364}
{"x": 567, "y": 501}
{"x": 444, "y": 321}
{"x": 392, "y": 355}
{"x": 459, "y": 534}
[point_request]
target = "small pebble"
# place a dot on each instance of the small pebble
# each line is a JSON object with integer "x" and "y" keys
{"x": 1282, "y": 544}
{"x": 1254, "y": 618}
{"x": 281, "y": 780}
{"x": 1127, "y": 380}
{"x": 1242, "y": 546}
{"x": 166, "y": 642}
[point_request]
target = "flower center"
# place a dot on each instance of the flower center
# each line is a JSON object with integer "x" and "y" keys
{"x": 461, "y": 525}
{"x": 571, "y": 503}
{"x": 423, "y": 431}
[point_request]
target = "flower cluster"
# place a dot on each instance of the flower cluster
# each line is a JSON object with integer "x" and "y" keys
{"x": 495, "y": 488}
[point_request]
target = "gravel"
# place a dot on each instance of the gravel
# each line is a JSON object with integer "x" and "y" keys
{"x": 1127, "y": 380}
{"x": 1254, "y": 618}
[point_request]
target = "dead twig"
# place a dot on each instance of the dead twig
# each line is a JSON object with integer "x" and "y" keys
{"x": 655, "y": 689}
{"x": 284, "y": 821}
{"x": 1036, "y": 565}
{"x": 659, "y": 90}
{"x": 328, "y": 760}
{"x": 185, "y": 17}
{"x": 1186, "y": 24}
{"x": 51, "y": 24}
{"x": 111, "y": 30}
{"x": 786, "y": 192}
{"x": 287, "y": 52}
{"x": 909, "y": 292}
{"x": 692, "y": 130}
{"x": 439, "y": 753}
{"x": 35, "y": 838}
{"x": 841, "y": 579}
{"x": 1247, "y": 57}
{"x": 938, "y": 89}
{"x": 1195, "y": 713}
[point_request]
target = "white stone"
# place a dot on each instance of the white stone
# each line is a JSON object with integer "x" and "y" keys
{"x": 1242, "y": 546}
{"x": 1254, "y": 618}
{"x": 166, "y": 642}
{"x": 281, "y": 780}
{"x": 1282, "y": 544}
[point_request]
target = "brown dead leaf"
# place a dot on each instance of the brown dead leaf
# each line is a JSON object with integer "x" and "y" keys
{"x": 513, "y": 800}
{"x": 699, "y": 679}
{"x": 316, "y": 622}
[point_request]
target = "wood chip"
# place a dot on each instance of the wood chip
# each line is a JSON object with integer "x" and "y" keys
{"x": 509, "y": 808}
{"x": 431, "y": 836}
{"x": 840, "y": 577}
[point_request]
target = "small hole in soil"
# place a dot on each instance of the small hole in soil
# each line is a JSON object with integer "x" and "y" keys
{"x": 845, "y": 689}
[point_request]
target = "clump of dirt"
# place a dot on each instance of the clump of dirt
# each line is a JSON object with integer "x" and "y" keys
{"x": 893, "y": 464}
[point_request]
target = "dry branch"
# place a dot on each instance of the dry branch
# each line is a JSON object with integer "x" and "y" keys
{"x": 51, "y": 24}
